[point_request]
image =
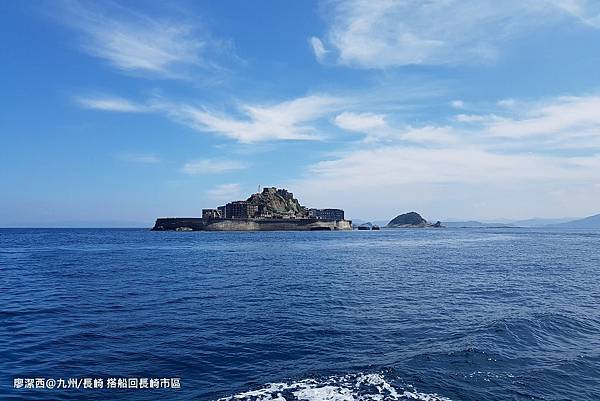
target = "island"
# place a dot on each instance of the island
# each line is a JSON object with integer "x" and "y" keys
{"x": 412, "y": 220}
{"x": 273, "y": 209}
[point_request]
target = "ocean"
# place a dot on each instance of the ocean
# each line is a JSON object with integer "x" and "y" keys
{"x": 448, "y": 314}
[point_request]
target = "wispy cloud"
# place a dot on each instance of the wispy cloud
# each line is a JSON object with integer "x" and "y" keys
{"x": 586, "y": 11}
{"x": 508, "y": 103}
{"x": 376, "y": 128}
{"x": 468, "y": 181}
{"x": 318, "y": 48}
{"x": 249, "y": 123}
{"x": 360, "y": 122}
{"x": 212, "y": 166}
{"x": 404, "y": 165}
{"x": 381, "y": 34}
{"x": 457, "y": 104}
{"x": 110, "y": 103}
{"x": 289, "y": 120}
{"x": 225, "y": 192}
{"x": 134, "y": 42}
{"x": 552, "y": 123}
{"x": 556, "y": 123}
{"x": 565, "y": 116}
{"x": 525, "y": 154}
{"x": 475, "y": 118}
{"x": 141, "y": 158}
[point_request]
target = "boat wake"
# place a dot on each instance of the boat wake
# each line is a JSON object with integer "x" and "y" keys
{"x": 354, "y": 387}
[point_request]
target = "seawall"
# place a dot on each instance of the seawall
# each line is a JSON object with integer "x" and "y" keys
{"x": 199, "y": 224}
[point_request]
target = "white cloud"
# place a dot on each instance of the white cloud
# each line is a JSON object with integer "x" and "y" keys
{"x": 377, "y": 129}
{"x": 457, "y": 104}
{"x": 110, "y": 103}
{"x": 138, "y": 158}
{"x": 406, "y": 165}
{"x": 556, "y": 123}
{"x": 318, "y": 48}
{"x": 380, "y": 34}
{"x": 430, "y": 135}
{"x": 225, "y": 192}
{"x": 135, "y": 42}
{"x": 474, "y": 118}
{"x": 559, "y": 118}
{"x": 360, "y": 122}
{"x": 515, "y": 163}
{"x": 212, "y": 166}
{"x": 508, "y": 103}
{"x": 289, "y": 120}
{"x": 451, "y": 181}
{"x": 587, "y": 11}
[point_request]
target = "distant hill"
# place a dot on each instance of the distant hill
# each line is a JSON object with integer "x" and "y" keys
{"x": 540, "y": 222}
{"x": 474, "y": 224}
{"x": 535, "y": 222}
{"x": 588, "y": 222}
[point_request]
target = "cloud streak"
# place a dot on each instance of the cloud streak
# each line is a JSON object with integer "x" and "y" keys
{"x": 110, "y": 103}
{"x": 562, "y": 117}
{"x": 288, "y": 120}
{"x": 376, "y": 128}
{"x": 534, "y": 155}
{"x": 318, "y": 48}
{"x": 249, "y": 123}
{"x": 383, "y": 34}
{"x": 468, "y": 182}
{"x": 133, "y": 42}
{"x": 554, "y": 123}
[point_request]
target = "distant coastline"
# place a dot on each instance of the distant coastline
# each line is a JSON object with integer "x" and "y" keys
{"x": 276, "y": 209}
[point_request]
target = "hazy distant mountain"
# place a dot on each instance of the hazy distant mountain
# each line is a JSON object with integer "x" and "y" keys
{"x": 540, "y": 222}
{"x": 588, "y": 222}
{"x": 474, "y": 224}
{"x": 534, "y": 222}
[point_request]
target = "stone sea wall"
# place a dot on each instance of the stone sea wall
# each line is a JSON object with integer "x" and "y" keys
{"x": 199, "y": 224}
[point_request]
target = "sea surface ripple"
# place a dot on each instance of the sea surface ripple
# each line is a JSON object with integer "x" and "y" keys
{"x": 449, "y": 314}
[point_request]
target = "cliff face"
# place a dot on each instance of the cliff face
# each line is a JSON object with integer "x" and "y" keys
{"x": 277, "y": 201}
{"x": 411, "y": 220}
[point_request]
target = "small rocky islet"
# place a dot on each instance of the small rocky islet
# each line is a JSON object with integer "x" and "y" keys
{"x": 412, "y": 220}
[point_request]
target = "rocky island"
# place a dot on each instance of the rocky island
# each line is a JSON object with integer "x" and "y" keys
{"x": 412, "y": 220}
{"x": 272, "y": 209}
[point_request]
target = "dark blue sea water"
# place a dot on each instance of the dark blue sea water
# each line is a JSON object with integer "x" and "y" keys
{"x": 450, "y": 314}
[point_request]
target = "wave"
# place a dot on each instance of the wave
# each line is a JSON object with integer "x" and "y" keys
{"x": 352, "y": 387}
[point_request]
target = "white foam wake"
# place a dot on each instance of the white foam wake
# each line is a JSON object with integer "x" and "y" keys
{"x": 356, "y": 387}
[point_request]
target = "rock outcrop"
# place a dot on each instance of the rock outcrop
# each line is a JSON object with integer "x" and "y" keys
{"x": 412, "y": 220}
{"x": 277, "y": 201}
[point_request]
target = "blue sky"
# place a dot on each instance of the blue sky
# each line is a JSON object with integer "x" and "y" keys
{"x": 117, "y": 113}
